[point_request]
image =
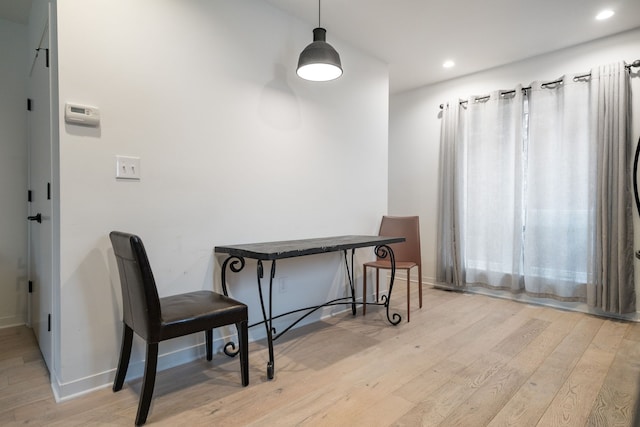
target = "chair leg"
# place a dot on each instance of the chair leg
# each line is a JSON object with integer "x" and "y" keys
{"x": 408, "y": 295}
{"x": 208, "y": 334}
{"x": 243, "y": 342}
{"x": 377, "y": 283}
{"x": 148, "y": 382}
{"x": 125, "y": 354}
{"x": 420, "y": 284}
{"x": 364, "y": 290}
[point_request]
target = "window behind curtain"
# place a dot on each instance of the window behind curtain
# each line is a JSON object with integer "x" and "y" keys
{"x": 528, "y": 159}
{"x": 535, "y": 191}
{"x": 493, "y": 220}
{"x": 558, "y": 184}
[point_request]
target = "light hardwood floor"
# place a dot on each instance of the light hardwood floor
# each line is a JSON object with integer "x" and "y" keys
{"x": 463, "y": 360}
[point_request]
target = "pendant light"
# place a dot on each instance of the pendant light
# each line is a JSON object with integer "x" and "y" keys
{"x": 319, "y": 61}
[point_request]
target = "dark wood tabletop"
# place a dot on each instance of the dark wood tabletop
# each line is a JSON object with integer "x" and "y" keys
{"x": 296, "y": 248}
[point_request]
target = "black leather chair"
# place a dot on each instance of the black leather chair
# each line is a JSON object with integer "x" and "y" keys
{"x": 157, "y": 319}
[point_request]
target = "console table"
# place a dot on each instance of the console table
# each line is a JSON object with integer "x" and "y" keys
{"x": 273, "y": 251}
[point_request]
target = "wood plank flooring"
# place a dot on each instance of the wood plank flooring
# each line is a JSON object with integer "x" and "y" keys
{"x": 463, "y": 360}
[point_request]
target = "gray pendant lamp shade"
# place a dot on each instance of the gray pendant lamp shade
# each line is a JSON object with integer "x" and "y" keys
{"x": 319, "y": 61}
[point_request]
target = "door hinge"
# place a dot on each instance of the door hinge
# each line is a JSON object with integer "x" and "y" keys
{"x": 29, "y": 194}
{"x": 29, "y": 104}
{"x": 46, "y": 52}
{"x": 48, "y": 191}
{"x": 49, "y": 323}
{"x": 30, "y": 286}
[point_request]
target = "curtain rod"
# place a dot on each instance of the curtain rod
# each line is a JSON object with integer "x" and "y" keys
{"x": 635, "y": 63}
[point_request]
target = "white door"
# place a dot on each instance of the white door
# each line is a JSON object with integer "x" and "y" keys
{"x": 40, "y": 227}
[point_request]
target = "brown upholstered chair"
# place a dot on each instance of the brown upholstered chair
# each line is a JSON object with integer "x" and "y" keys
{"x": 407, "y": 255}
{"x": 157, "y": 319}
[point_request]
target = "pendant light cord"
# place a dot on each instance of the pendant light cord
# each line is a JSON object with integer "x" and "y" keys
{"x": 319, "y": 13}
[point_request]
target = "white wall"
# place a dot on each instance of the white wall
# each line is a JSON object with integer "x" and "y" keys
{"x": 414, "y": 127}
{"x": 13, "y": 176}
{"x": 234, "y": 148}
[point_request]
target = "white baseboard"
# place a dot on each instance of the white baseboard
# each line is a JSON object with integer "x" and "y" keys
{"x": 69, "y": 390}
{"x": 544, "y": 302}
{"x": 10, "y": 322}
{"x": 63, "y": 391}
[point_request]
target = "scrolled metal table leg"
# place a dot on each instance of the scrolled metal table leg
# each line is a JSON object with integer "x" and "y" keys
{"x": 351, "y": 278}
{"x": 234, "y": 349}
{"x": 236, "y": 264}
{"x": 268, "y": 321}
{"x": 235, "y": 260}
{"x": 383, "y": 251}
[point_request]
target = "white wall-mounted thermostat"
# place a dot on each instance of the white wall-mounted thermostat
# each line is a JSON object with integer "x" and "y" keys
{"x": 77, "y": 114}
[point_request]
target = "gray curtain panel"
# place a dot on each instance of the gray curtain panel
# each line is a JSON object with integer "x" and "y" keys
{"x": 612, "y": 288}
{"x": 450, "y": 253}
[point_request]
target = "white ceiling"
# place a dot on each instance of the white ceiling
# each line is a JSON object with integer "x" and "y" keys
{"x": 415, "y": 37}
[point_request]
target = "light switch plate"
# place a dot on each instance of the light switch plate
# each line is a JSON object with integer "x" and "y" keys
{"x": 128, "y": 167}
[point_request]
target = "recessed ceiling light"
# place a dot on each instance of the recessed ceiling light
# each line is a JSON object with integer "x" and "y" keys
{"x": 605, "y": 14}
{"x": 448, "y": 64}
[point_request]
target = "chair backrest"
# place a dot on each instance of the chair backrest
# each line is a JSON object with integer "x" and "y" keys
{"x": 407, "y": 227}
{"x": 140, "y": 301}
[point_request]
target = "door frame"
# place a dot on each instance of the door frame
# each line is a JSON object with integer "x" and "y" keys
{"x": 46, "y": 29}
